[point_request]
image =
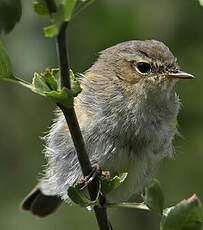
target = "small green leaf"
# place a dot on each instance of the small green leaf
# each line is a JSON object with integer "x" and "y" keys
{"x": 39, "y": 85}
{"x": 50, "y": 79}
{"x": 40, "y": 8}
{"x": 5, "y": 64}
{"x": 186, "y": 215}
{"x": 63, "y": 97}
{"x": 154, "y": 197}
{"x": 68, "y": 8}
{"x": 75, "y": 85}
{"x": 55, "y": 72}
{"x": 51, "y": 31}
{"x": 10, "y": 14}
{"x": 46, "y": 84}
{"x": 57, "y": 19}
{"x": 110, "y": 184}
{"x": 79, "y": 196}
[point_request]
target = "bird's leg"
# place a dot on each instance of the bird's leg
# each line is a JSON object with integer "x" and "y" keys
{"x": 96, "y": 170}
{"x": 85, "y": 180}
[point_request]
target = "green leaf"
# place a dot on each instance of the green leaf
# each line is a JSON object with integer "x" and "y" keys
{"x": 40, "y": 8}
{"x": 46, "y": 84}
{"x": 50, "y": 79}
{"x": 5, "y": 64}
{"x": 51, "y": 31}
{"x": 64, "y": 12}
{"x": 79, "y": 196}
{"x": 6, "y": 69}
{"x": 63, "y": 97}
{"x": 110, "y": 184}
{"x": 201, "y": 2}
{"x": 154, "y": 197}
{"x": 10, "y": 14}
{"x": 55, "y": 72}
{"x": 68, "y": 8}
{"x": 56, "y": 20}
{"x": 39, "y": 85}
{"x": 186, "y": 215}
{"x": 75, "y": 85}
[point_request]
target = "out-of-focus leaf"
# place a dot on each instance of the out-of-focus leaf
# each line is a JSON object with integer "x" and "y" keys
{"x": 201, "y": 2}
{"x": 10, "y": 13}
{"x": 186, "y": 215}
{"x": 110, "y": 184}
{"x": 154, "y": 197}
{"x": 51, "y": 31}
{"x": 65, "y": 10}
{"x": 68, "y": 8}
{"x": 40, "y": 8}
{"x": 57, "y": 19}
{"x": 5, "y": 64}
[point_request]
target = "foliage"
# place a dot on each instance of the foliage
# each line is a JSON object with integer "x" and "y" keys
{"x": 10, "y": 13}
{"x": 154, "y": 197}
{"x": 186, "y": 215}
{"x": 66, "y": 9}
{"x": 106, "y": 185}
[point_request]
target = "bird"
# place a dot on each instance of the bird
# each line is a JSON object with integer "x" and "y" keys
{"x": 127, "y": 112}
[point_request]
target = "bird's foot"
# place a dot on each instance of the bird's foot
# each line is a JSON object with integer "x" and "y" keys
{"x": 96, "y": 171}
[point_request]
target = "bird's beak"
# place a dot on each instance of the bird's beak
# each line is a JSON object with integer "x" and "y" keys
{"x": 179, "y": 75}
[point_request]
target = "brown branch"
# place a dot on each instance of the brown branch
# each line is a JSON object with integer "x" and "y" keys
{"x": 70, "y": 116}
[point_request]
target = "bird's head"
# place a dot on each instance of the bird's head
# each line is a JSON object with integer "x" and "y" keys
{"x": 146, "y": 62}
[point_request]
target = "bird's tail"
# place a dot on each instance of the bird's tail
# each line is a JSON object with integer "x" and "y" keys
{"x": 39, "y": 204}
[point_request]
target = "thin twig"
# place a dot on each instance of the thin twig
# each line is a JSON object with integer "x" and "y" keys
{"x": 74, "y": 128}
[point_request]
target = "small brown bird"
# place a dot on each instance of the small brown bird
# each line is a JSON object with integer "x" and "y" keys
{"x": 127, "y": 112}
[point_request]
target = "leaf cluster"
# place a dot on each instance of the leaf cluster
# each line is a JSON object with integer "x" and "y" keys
{"x": 10, "y": 14}
{"x": 186, "y": 215}
{"x": 46, "y": 84}
{"x": 65, "y": 11}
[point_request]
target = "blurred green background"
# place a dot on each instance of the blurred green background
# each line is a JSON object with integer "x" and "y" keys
{"x": 25, "y": 116}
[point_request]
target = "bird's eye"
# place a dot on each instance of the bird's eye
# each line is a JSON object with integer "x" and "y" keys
{"x": 143, "y": 67}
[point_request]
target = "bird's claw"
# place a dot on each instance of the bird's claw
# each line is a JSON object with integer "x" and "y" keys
{"x": 96, "y": 170}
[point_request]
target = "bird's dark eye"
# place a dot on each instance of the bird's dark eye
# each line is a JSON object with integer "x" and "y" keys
{"x": 143, "y": 67}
